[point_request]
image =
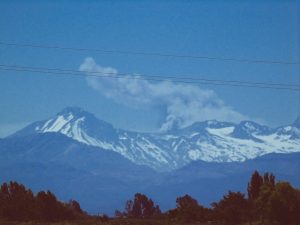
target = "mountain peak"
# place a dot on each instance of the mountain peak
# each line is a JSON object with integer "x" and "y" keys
{"x": 73, "y": 113}
{"x": 74, "y": 110}
{"x": 249, "y": 125}
{"x": 209, "y": 140}
{"x": 212, "y": 124}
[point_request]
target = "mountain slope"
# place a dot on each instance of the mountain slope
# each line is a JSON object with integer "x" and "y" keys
{"x": 209, "y": 181}
{"x": 210, "y": 141}
{"x": 103, "y": 180}
{"x": 57, "y": 148}
{"x": 100, "y": 180}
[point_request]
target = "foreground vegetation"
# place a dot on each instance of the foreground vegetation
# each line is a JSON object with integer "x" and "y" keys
{"x": 268, "y": 202}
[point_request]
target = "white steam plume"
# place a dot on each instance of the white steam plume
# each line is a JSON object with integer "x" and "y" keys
{"x": 184, "y": 104}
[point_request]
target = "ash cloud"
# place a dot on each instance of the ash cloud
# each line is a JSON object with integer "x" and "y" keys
{"x": 183, "y": 104}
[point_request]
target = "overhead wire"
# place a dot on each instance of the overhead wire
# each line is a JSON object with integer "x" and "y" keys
{"x": 187, "y": 80}
{"x": 182, "y": 77}
{"x": 142, "y": 53}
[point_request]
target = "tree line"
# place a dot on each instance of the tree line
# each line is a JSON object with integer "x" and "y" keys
{"x": 267, "y": 202}
{"x": 17, "y": 203}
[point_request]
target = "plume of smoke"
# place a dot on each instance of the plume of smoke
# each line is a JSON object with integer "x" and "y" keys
{"x": 183, "y": 104}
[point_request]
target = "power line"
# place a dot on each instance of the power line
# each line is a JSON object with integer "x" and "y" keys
{"x": 137, "y": 77}
{"x": 151, "y": 79}
{"x": 180, "y": 78}
{"x": 141, "y": 53}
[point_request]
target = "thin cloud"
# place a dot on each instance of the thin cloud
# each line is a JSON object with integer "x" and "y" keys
{"x": 183, "y": 104}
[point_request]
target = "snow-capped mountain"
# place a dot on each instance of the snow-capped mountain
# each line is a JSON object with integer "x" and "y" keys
{"x": 82, "y": 126}
{"x": 210, "y": 141}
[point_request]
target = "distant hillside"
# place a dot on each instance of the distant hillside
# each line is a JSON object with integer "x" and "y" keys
{"x": 103, "y": 180}
{"x": 210, "y": 141}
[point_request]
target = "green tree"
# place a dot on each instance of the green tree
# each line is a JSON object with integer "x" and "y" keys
{"x": 188, "y": 210}
{"x": 284, "y": 204}
{"x": 232, "y": 209}
{"x": 269, "y": 179}
{"x": 259, "y": 191}
{"x": 261, "y": 204}
{"x": 16, "y": 202}
{"x": 50, "y": 209}
{"x": 254, "y": 185}
{"x": 74, "y": 206}
{"x": 141, "y": 207}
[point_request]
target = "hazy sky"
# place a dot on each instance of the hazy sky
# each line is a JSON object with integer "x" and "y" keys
{"x": 248, "y": 30}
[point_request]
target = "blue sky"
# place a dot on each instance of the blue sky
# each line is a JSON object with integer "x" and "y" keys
{"x": 248, "y": 30}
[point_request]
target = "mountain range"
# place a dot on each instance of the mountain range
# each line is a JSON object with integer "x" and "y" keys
{"x": 78, "y": 156}
{"x": 210, "y": 141}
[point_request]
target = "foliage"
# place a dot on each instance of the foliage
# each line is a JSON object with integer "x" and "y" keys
{"x": 232, "y": 209}
{"x": 188, "y": 210}
{"x": 268, "y": 202}
{"x": 140, "y": 207}
{"x": 19, "y": 204}
{"x": 254, "y": 186}
{"x": 283, "y": 205}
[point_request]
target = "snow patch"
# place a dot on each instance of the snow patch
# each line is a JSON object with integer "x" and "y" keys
{"x": 194, "y": 154}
